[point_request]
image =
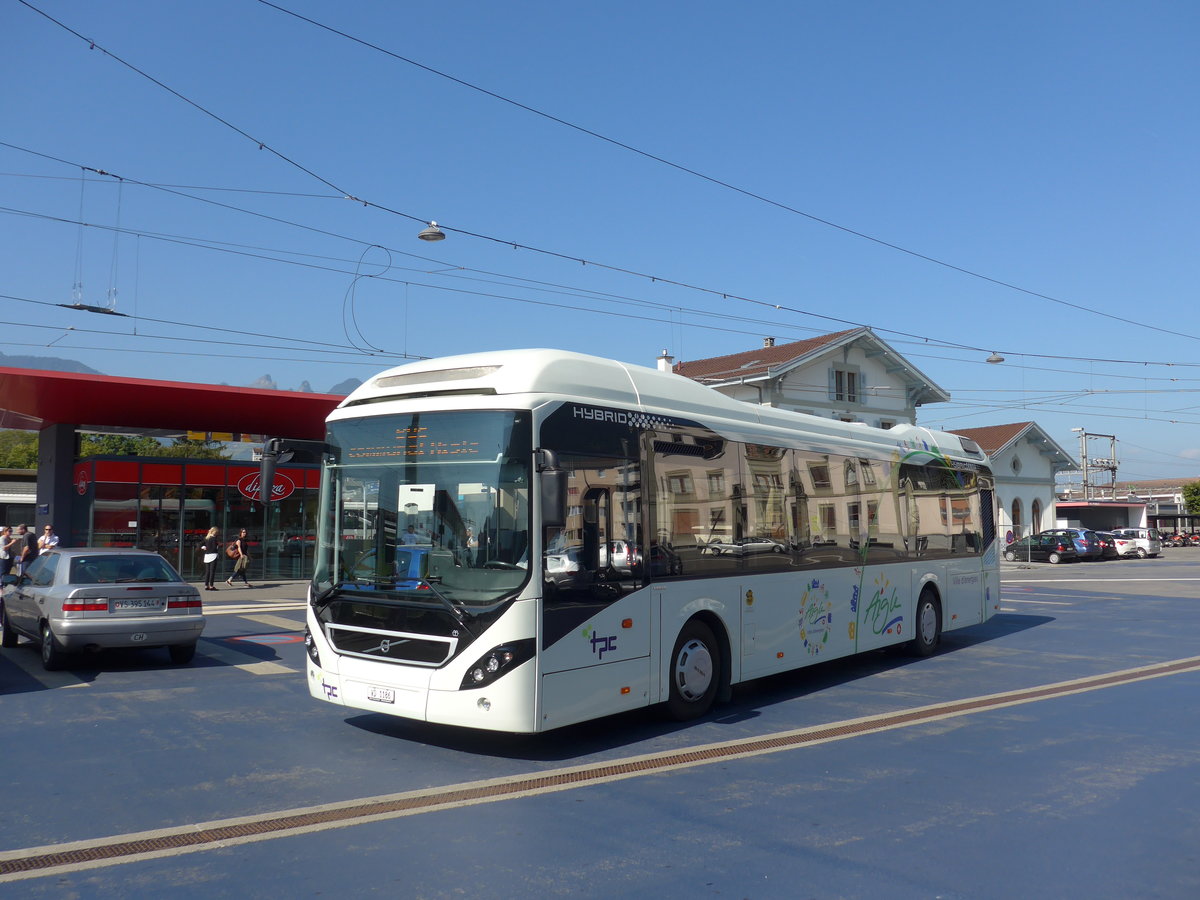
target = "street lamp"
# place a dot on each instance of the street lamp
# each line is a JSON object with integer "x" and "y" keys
{"x": 431, "y": 232}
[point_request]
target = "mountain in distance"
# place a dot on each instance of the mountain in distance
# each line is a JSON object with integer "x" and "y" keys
{"x": 342, "y": 388}
{"x": 47, "y": 363}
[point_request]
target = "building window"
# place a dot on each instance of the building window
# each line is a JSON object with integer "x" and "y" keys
{"x": 680, "y": 484}
{"x": 819, "y": 472}
{"x": 1017, "y": 518}
{"x": 1035, "y": 516}
{"x": 716, "y": 484}
{"x": 844, "y": 386}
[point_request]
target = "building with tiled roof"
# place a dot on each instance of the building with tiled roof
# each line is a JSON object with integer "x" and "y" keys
{"x": 849, "y": 375}
{"x": 1026, "y": 462}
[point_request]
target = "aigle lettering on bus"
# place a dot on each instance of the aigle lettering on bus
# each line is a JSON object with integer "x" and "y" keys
{"x": 282, "y": 486}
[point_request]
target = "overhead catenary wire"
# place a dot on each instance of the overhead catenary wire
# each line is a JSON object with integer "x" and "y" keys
{"x": 727, "y": 185}
{"x": 725, "y": 295}
{"x": 919, "y": 340}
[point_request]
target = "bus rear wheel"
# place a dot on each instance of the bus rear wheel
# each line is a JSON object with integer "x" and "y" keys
{"x": 928, "y": 624}
{"x": 695, "y": 672}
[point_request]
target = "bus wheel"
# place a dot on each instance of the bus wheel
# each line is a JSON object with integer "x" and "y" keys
{"x": 695, "y": 672}
{"x": 928, "y": 623}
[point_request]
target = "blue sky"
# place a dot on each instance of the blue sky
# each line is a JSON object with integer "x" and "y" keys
{"x": 1031, "y": 165}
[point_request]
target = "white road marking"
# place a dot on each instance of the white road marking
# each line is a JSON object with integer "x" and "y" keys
{"x": 230, "y": 657}
{"x": 243, "y": 609}
{"x": 1038, "y": 602}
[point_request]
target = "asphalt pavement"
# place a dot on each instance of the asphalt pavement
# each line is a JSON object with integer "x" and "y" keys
{"x": 1051, "y": 752}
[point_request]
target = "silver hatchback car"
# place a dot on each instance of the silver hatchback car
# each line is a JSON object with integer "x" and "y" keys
{"x": 90, "y": 599}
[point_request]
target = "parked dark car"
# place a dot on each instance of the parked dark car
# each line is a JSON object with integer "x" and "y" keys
{"x": 664, "y": 561}
{"x": 1049, "y": 548}
{"x": 1110, "y": 545}
{"x": 1086, "y": 544}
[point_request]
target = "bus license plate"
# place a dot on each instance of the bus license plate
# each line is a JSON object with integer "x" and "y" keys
{"x": 381, "y": 694}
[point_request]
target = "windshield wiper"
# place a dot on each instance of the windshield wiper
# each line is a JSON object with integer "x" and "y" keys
{"x": 453, "y": 608}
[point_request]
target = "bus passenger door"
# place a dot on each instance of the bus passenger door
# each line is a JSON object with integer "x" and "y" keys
{"x": 591, "y": 566}
{"x": 596, "y": 619}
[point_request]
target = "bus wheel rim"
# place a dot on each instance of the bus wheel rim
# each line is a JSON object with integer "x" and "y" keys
{"x": 928, "y": 622}
{"x": 693, "y": 670}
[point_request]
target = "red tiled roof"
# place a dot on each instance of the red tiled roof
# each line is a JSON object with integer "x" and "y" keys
{"x": 755, "y": 362}
{"x": 991, "y": 438}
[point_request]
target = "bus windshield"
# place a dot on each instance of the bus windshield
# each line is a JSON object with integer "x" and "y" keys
{"x": 429, "y": 508}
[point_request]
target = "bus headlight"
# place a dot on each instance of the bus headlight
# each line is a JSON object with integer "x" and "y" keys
{"x": 311, "y": 646}
{"x": 496, "y": 662}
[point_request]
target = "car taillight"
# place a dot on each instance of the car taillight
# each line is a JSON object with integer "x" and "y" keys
{"x": 185, "y": 603}
{"x": 85, "y": 606}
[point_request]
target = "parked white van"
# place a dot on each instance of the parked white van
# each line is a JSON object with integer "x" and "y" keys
{"x": 1146, "y": 541}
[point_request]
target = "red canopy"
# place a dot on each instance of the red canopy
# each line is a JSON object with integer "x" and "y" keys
{"x": 32, "y": 398}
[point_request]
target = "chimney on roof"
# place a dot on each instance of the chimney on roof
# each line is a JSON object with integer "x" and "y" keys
{"x": 666, "y": 361}
{"x": 768, "y": 342}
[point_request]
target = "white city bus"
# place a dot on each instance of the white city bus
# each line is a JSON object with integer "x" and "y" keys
{"x": 522, "y": 540}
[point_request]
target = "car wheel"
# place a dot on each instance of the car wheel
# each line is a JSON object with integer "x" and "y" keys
{"x": 1010, "y": 556}
{"x": 695, "y": 672}
{"x": 8, "y": 637}
{"x": 776, "y": 549}
{"x": 1141, "y": 552}
{"x": 54, "y": 657}
{"x": 181, "y": 654}
{"x": 1054, "y": 558}
{"x": 928, "y": 624}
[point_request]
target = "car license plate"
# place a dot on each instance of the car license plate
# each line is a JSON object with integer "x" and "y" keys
{"x": 139, "y": 603}
{"x": 381, "y": 694}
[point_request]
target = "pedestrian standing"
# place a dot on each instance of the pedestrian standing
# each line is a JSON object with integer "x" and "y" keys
{"x": 29, "y": 549}
{"x": 48, "y": 540}
{"x": 241, "y": 559}
{"x": 8, "y": 544}
{"x": 210, "y": 547}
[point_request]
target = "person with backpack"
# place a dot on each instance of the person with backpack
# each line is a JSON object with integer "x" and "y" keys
{"x": 238, "y": 551}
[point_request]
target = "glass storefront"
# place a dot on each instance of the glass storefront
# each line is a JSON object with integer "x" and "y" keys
{"x": 169, "y": 505}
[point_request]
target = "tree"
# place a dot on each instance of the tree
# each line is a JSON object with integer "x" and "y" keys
{"x": 118, "y": 445}
{"x": 187, "y": 448}
{"x": 18, "y": 449}
{"x": 1191, "y": 497}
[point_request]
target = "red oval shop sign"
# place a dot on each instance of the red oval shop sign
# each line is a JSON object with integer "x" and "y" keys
{"x": 281, "y": 487}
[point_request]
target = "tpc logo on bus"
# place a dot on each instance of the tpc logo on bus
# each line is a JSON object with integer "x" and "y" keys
{"x": 600, "y": 645}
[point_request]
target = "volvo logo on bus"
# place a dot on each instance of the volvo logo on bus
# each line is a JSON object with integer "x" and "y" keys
{"x": 281, "y": 487}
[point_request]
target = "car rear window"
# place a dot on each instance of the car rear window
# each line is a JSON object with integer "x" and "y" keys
{"x": 113, "y": 569}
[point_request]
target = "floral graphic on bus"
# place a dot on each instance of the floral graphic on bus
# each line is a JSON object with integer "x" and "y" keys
{"x": 816, "y": 616}
{"x": 883, "y": 611}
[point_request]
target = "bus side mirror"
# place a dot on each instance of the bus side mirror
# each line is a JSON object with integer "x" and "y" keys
{"x": 552, "y": 486}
